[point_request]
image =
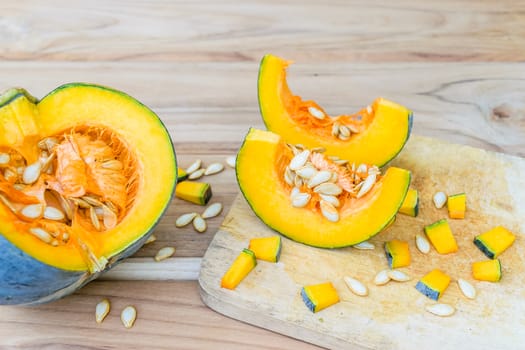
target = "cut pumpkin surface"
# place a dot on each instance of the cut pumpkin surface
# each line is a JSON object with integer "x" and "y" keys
{"x": 336, "y": 212}
{"x": 373, "y": 135}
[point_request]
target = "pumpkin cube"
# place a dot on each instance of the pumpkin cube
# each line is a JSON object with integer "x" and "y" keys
{"x": 239, "y": 269}
{"x": 410, "y": 205}
{"x": 457, "y": 205}
{"x": 266, "y": 248}
{"x": 433, "y": 284}
{"x": 397, "y": 253}
{"x": 194, "y": 192}
{"x": 441, "y": 237}
{"x": 488, "y": 270}
{"x": 494, "y": 242}
{"x": 319, "y": 296}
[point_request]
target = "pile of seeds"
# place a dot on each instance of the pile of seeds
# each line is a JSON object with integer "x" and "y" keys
{"x": 195, "y": 170}
{"x": 127, "y": 316}
{"x": 199, "y": 220}
{"x": 323, "y": 182}
{"x": 339, "y": 128}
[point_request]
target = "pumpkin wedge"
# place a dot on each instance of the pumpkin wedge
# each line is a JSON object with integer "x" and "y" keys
{"x": 303, "y": 199}
{"x": 374, "y": 135}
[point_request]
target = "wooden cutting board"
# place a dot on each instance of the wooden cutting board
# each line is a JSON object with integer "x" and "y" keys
{"x": 391, "y": 316}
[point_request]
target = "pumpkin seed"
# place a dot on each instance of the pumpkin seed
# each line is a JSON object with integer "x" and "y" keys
{"x": 442, "y": 310}
{"x": 31, "y": 173}
{"x": 364, "y": 246}
{"x": 398, "y": 276}
{"x": 196, "y": 165}
{"x": 289, "y": 176}
{"x": 196, "y": 174}
{"x": 164, "y": 253}
{"x": 80, "y": 203}
{"x": 316, "y": 113}
{"x": 367, "y": 185}
{"x": 335, "y": 129}
{"x": 382, "y": 278}
{"x": 306, "y": 172}
{"x": 440, "y": 198}
{"x": 65, "y": 237}
{"x": 54, "y": 243}
{"x": 214, "y": 168}
{"x": 344, "y": 131}
{"x": 65, "y": 204}
{"x": 466, "y": 288}
{"x": 299, "y": 160}
{"x": 343, "y": 137}
{"x": 151, "y": 239}
{"x": 212, "y": 211}
{"x": 356, "y": 286}
{"x": 294, "y": 191}
{"x": 330, "y": 199}
{"x": 46, "y": 163}
{"x": 362, "y": 168}
{"x": 47, "y": 144}
{"x": 299, "y": 146}
{"x": 7, "y": 203}
{"x": 5, "y": 158}
{"x": 109, "y": 218}
{"x": 293, "y": 148}
{"x": 341, "y": 162}
{"x": 94, "y": 218}
{"x": 199, "y": 224}
{"x": 92, "y": 201}
{"x": 41, "y": 234}
{"x": 329, "y": 211}
{"x": 231, "y": 160}
{"x": 319, "y": 178}
{"x": 102, "y": 310}
{"x": 300, "y": 200}
{"x": 353, "y": 128}
{"x": 334, "y": 177}
{"x": 318, "y": 150}
{"x": 32, "y": 211}
{"x": 298, "y": 181}
{"x": 185, "y": 219}
{"x": 422, "y": 244}
{"x": 374, "y": 170}
{"x": 128, "y": 316}
{"x": 53, "y": 213}
{"x": 112, "y": 164}
{"x": 328, "y": 188}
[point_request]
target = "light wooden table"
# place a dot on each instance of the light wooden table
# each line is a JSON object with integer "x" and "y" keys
{"x": 457, "y": 64}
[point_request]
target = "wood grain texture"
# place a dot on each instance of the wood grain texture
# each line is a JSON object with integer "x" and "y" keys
{"x": 391, "y": 316}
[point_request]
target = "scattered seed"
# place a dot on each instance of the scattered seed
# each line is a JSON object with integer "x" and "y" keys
{"x": 196, "y": 165}
{"x": 231, "y": 160}
{"x": 382, "y": 277}
{"x": 53, "y": 213}
{"x": 5, "y": 158}
{"x": 41, "y": 234}
{"x": 102, "y": 310}
{"x": 32, "y": 211}
{"x": 214, "y": 168}
{"x": 306, "y": 172}
{"x": 441, "y": 309}
{"x": 196, "y": 174}
{"x": 344, "y": 131}
{"x": 422, "y": 244}
{"x": 367, "y": 185}
{"x": 398, "y": 275}
{"x": 299, "y": 160}
{"x": 212, "y": 211}
{"x": 319, "y": 178}
{"x": 199, "y": 224}
{"x": 31, "y": 173}
{"x": 329, "y": 211}
{"x": 330, "y": 199}
{"x": 300, "y": 200}
{"x": 94, "y": 218}
{"x": 466, "y": 288}
{"x": 151, "y": 239}
{"x": 440, "y": 198}
{"x": 328, "y": 188}
{"x": 128, "y": 316}
{"x": 316, "y": 113}
{"x": 112, "y": 164}
{"x": 185, "y": 219}
{"x": 364, "y": 246}
{"x": 164, "y": 253}
{"x": 356, "y": 286}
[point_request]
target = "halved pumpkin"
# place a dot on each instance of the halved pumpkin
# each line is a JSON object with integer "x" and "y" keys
{"x": 346, "y": 217}
{"x": 85, "y": 175}
{"x": 373, "y": 135}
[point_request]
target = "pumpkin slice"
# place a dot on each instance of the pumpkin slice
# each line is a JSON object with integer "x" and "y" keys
{"x": 397, "y": 253}
{"x": 86, "y": 174}
{"x": 411, "y": 204}
{"x": 495, "y": 241}
{"x": 239, "y": 269}
{"x": 433, "y": 284}
{"x": 343, "y": 210}
{"x": 319, "y": 296}
{"x": 266, "y": 248}
{"x": 487, "y": 270}
{"x": 373, "y": 135}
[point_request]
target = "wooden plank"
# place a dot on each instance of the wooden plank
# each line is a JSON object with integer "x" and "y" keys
{"x": 392, "y": 316}
{"x": 208, "y": 31}
{"x": 147, "y": 269}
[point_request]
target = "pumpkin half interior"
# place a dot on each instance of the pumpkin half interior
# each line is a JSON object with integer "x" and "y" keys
{"x": 301, "y": 198}
{"x": 84, "y": 173}
{"x": 375, "y": 134}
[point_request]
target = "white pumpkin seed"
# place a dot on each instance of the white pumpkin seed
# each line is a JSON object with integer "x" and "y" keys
{"x": 356, "y": 286}
{"x": 382, "y": 277}
{"x": 362, "y": 168}
{"x": 300, "y": 200}
{"x": 65, "y": 204}
{"x": 422, "y": 244}
{"x": 199, "y": 224}
{"x": 109, "y": 218}
{"x": 102, "y": 310}
{"x": 344, "y": 131}
{"x": 341, "y": 162}
{"x": 214, "y": 168}
{"x": 47, "y": 144}
{"x": 32, "y": 211}
{"x": 19, "y": 187}
{"x": 92, "y": 201}
{"x": 364, "y": 246}
{"x": 353, "y": 128}
{"x": 466, "y": 288}
{"x": 330, "y": 199}
{"x": 196, "y": 174}
{"x": 367, "y": 185}
{"x": 306, "y": 172}
{"x": 5, "y": 158}
{"x": 289, "y": 176}
{"x": 128, "y": 316}
{"x": 185, "y": 219}
{"x": 343, "y": 137}
{"x": 319, "y": 178}
{"x": 112, "y": 164}
{"x": 334, "y": 177}
{"x": 294, "y": 191}
{"x": 299, "y": 160}
{"x": 335, "y": 129}
{"x": 196, "y": 165}
{"x": 316, "y": 112}
{"x": 31, "y": 173}
{"x": 440, "y": 198}
{"x": 440, "y": 309}
{"x": 47, "y": 162}
{"x": 318, "y": 150}
{"x": 41, "y": 234}
{"x": 94, "y": 218}
{"x": 374, "y": 170}
{"x": 212, "y": 211}
{"x": 398, "y": 276}
{"x": 328, "y": 188}
{"x": 231, "y": 160}
{"x": 329, "y": 211}
{"x": 151, "y": 239}
{"x": 164, "y": 253}
{"x": 298, "y": 181}
{"x": 53, "y": 213}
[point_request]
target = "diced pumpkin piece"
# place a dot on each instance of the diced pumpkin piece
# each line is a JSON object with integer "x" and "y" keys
{"x": 433, "y": 284}
{"x": 181, "y": 174}
{"x": 457, "y": 204}
{"x": 266, "y": 248}
{"x": 397, "y": 253}
{"x": 194, "y": 192}
{"x": 441, "y": 237}
{"x": 410, "y": 205}
{"x": 319, "y": 296}
{"x": 239, "y": 269}
{"x": 494, "y": 242}
{"x": 487, "y": 270}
